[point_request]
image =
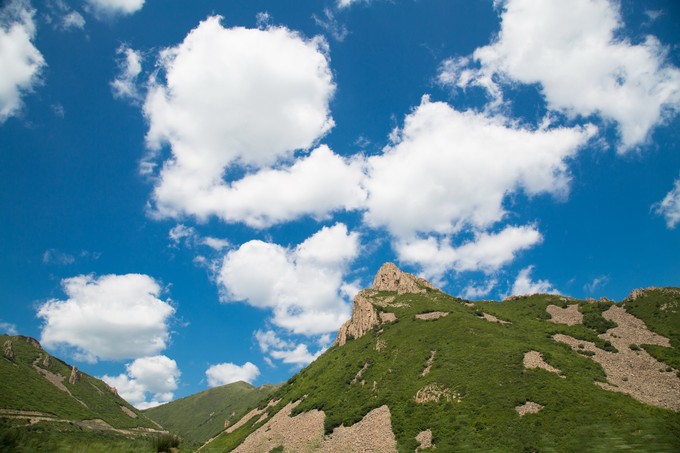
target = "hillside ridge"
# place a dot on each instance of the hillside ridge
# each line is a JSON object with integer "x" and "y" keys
{"x": 441, "y": 372}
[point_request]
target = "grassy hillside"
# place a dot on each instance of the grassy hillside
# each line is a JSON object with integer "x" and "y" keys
{"x": 40, "y": 410}
{"x": 199, "y": 417}
{"x": 481, "y": 362}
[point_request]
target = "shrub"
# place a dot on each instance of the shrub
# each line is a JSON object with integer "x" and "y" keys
{"x": 165, "y": 443}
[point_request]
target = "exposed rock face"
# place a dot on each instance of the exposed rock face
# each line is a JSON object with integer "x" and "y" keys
{"x": 433, "y": 393}
{"x": 364, "y": 315}
{"x": 8, "y": 350}
{"x": 634, "y": 372}
{"x": 391, "y": 278}
{"x": 46, "y": 361}
{"x": 432, "y": 315}
{"x": 364, "y": 318}
{"x": 32, "y": 341}
{"x": 425, "y": 440}
{"x": 569, "y": 316}
{"x": 636, "y": 293}
{"x": 305, "y": 432}
{"x": 534, "y": 359}
{"x": 75, "y": 376}
{"x": 528, "y": 408}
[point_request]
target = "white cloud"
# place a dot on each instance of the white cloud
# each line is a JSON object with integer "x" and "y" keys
{"x": 226, "y": 373}
{"x": 472, "y": 291}
{"x": 449, "y": 169}
{"x": 597, "y": 283}
{"x": 124, "y": 86}
{"x": 110, "y": 317}
{"x": 8, "y": 328}
{"x": 572, "y": 49}
{"x": 669, "y": 207}
{"x": 20, "y": 60}
{"x": 215, "y": 243}
{"x": 112, "y": 8}
{"x": 54, "y": 256}
{"x": 314, "y": 185}
{"x": 156, "y": 375}
{"x": 288, "y": 351}
{"x": 300, "y": 355}
{"x": 302, "y": 286}
{"x": 524, "y": 285}
{"x": 347, "y": 3}
{"x": 233, "y": 96}
{"x": 329, "y": 23}
{"x": 72, "y": 20}
{"x": 486, "y": 252}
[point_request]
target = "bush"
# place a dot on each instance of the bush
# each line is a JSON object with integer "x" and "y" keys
{"x": 165, "y": 443}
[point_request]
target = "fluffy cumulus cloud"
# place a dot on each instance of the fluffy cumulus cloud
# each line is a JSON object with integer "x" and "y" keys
{"x": 525, "y": 285}
{"x": 450, "y": 169}
{"x": 289, "y": 351}
{"x": 314, "y": 185}
{"x": 109, "y": 317}
{"x": 129, "y": 68}
{"x": 20, "y": 60}
{"x": 574, "y": 51}
{"x": 237, "y": 97}
{"x": 669, "y": 207}
{"x": 301, "y": 285}
{"x": 148, "y": 382}
{"x": 226, "y": 373}
{"x": 112, "y": 8}
{"x": 486, "y": 252}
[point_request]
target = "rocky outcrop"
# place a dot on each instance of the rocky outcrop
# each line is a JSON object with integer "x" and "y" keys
{"x": 8, "y": 350}
{"x": 632, "y": 371}
{"x": 364, "y": 318}
{"x": 636, "y": 293}
{"x": 534, "y": 359}
{"x": 364, "y": 314}
{"x": 75, "y": 376}
{"x": 569, "y": 316}
{"x": 528, "y": 408}
{"x": 30, "y": 340}
{"x": 424, "y": 438}
{"x": 391, "y": 278}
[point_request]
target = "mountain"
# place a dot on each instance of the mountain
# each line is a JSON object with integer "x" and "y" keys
{"x": 415, "y": 369}
{"x": 49, "y": 405}
{"x": 198, "y": 417}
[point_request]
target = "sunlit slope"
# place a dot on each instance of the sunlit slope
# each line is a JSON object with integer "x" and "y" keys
{"x": 199, "y": 417}
{"x": 48, "y": 405}
{"x": 487, "y": 376}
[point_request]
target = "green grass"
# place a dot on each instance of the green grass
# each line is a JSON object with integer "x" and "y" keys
{"x": 199, "y": 417}
{"x": 23, "y": 388}
{"x": 661, "y": 312}
{"x": 482, "y": 361}
{"x": 52, "y": 437}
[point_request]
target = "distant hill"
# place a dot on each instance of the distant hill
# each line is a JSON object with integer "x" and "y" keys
{"x": 415, "y": 369}
{"x": 48, "y": 405}
{"x": 199, "y": 417}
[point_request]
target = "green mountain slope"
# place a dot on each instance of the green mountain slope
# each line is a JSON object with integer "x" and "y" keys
{"x": 463, "y": 378}
{"x": 48, "y": 405}
{"x": 199, "y": 417}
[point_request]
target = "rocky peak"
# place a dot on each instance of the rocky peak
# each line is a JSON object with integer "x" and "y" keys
{"x": 364, "y": 318}
{"x": 391, "y": 278}
{"x": 364, "y": 314}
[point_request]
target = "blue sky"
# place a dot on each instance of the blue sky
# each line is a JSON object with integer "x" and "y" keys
{"x": 192, "y": 192}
